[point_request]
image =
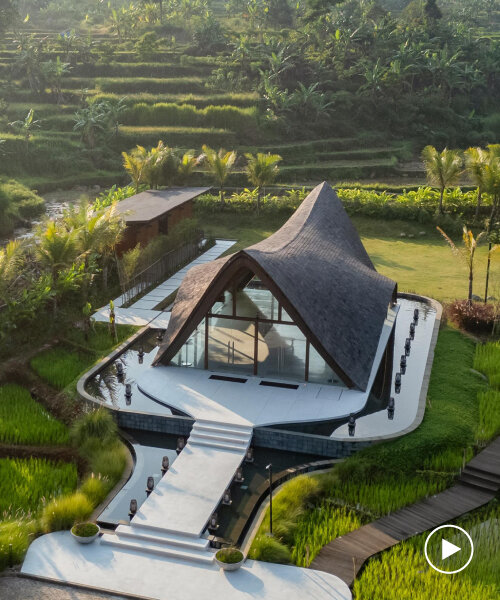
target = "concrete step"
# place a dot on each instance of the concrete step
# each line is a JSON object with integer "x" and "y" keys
{"x": 221, "y": 430}
{"x": 214, "y": 437}
{"x": 159, "y": 549}
{"x": 221, "y": 445}
{"x": 230, "y": 427}
{"x": 136, "y": 532}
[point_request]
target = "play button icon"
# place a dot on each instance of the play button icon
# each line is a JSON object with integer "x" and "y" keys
{"x": 445, "y": 542}
{"x": 448, "y": 549}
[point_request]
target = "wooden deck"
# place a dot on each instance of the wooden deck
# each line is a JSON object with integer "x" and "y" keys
{"x": 476, "y": 486}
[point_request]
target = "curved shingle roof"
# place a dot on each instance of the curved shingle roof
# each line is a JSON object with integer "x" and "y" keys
{"x": 318, "y": 268}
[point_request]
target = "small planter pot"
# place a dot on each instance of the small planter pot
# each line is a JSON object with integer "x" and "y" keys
{"x": 86, "y": 539}
{"x": 229, "y": 566}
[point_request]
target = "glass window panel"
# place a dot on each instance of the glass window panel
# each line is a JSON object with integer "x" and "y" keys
{"x": 231, "y": 345}
{"x": 285, "y": 316}
{"x": 281, "y": 352}
{"x": 253, "y": 301}
{"x": 224, "y": 305}
{"x": 319, "y": 371}
{"x": 192, "y": 352}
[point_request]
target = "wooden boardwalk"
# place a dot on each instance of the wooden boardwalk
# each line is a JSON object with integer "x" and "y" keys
{"x": 476, "y": 486}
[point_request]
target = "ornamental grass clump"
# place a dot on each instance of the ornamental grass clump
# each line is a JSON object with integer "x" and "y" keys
{"x": 64, "y": 512}
{"x": 95, "y": 488}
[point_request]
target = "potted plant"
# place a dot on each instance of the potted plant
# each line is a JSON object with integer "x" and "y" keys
{"x": 85, "y": 533}
{"x": 230, "y": 559}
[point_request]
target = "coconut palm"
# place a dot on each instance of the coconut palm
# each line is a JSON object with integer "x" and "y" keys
{"x": 467, "y": 253}
{"x": 134, "y": 163}
{"x": 56, "y": 248}
{"x": 220, "y": 165}
{"x": 262, "y": 169}
{"x": 187, "y": 164}
{"x": 491, "y": 182}
{"x": 443, "y": 169}
{"x": 475, "y": 161}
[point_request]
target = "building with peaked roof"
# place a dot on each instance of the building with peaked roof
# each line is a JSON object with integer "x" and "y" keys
{"x": 304, "y": 305}
{"x": 154, "y": 212}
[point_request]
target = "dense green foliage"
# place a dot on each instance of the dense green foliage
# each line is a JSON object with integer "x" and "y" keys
{"x": 311, "y": 511}
{"x": 58, "y": 367}
{"x": 17, "y": 204}
{"x": 24, "y": 421}
{"x": 25, "y": 484}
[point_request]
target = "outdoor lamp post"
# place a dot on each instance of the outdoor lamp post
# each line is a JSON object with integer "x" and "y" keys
{"x": 390, "y": 408}
{"x": 119, "y": 370}
{"x": 150, "y": 485}
{"x": 213, "y": 524}
{"x": 397, "y": 383}
{"x": 132, "y": 508}
{"x": 351, "y": 425}
{"x": 226, "y": 499}
{"x": 181, "y": 442}
{"x": 165, "y": 464}
{"x": 239, "y": 475}
{"x": 269, "y": 468}
{"x": 249, "y": 455}
{"x": 128, "y": 393}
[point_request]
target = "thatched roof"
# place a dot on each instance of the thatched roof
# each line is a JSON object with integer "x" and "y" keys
{"x": 317, "y": 267}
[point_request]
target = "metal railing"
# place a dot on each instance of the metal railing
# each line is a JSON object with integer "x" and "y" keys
{"x": 158, "y": 271}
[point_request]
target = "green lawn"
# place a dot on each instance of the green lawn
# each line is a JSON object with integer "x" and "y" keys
{"x": 423, "y": 264}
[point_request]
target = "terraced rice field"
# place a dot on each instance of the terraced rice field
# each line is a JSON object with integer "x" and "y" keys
{"x": 169, "y": 100}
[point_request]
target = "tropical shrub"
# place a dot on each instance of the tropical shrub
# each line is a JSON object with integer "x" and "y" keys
{"x": 475, "y": 317}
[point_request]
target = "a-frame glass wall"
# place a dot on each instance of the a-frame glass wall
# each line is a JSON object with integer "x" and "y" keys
{"x": 248, "y": 332}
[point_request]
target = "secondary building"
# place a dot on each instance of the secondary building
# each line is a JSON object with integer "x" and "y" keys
{"x": 154, "y": 212}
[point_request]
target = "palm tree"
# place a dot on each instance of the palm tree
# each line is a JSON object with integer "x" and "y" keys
{"x": 475, "y": 161}
{"x": 491, "y": 181}
{"x": 220, "y": 164}
{"x": 134, "y": 163}
{"x": 187, "y": 165}
{"x": 466, "y": 253}
{"x": 26, "y": 126}
{"x": 262, "y": 169}
{"x": 443, "y": 169}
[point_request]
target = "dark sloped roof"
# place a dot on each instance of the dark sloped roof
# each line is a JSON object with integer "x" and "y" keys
{"x": 151, "y": 204}
{"x": 318, "y": 268}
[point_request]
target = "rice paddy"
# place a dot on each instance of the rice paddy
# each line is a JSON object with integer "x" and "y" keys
{"x": 407, "y": 576}
{"x": 24, "y": 421}
{"x": 27, "y": 484}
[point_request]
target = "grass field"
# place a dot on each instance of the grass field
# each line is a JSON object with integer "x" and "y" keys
{"x": 423, "y": 264}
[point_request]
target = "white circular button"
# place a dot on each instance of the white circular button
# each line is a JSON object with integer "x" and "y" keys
{"x": 448, "y": 549}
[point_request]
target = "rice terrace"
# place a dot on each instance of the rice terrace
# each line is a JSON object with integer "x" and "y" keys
{"x": 250, "y": 299}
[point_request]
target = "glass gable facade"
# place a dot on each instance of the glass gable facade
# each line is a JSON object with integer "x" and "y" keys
{"x": 248, "y": 332}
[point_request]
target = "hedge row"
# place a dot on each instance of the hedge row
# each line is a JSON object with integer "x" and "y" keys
{"x": 123, "y": 85}
{"x": 224, "y": 117}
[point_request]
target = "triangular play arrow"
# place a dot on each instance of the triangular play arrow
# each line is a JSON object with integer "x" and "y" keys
{"x": 448, "y": 549}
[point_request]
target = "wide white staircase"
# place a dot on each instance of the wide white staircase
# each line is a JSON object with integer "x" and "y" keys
{"x": 171, "y": 521}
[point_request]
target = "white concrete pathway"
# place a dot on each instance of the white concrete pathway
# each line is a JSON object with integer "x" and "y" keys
{"x": 143, "y": 311}
{"x": 58, "y": 557}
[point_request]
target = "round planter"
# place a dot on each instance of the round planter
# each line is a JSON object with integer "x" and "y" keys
{"x": 229, "y": 566}
{"x": 87, "y": 539}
